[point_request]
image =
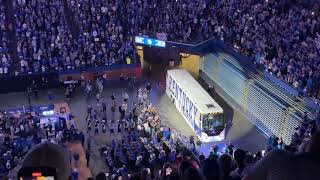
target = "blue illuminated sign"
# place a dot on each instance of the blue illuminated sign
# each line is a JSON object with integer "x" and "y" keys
{"x": 150, "y": 42}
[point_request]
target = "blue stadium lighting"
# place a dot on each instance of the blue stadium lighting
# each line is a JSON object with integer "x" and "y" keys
{"x": 48, "y": 113}
{"x": 150, "y": 42}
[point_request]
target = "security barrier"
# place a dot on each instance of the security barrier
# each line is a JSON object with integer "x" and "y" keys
{"x": 263, "y": 108}
{"x": 225, "y": 76}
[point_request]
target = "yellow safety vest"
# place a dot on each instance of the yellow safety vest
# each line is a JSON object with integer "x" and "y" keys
{"x": 128, "y": 60}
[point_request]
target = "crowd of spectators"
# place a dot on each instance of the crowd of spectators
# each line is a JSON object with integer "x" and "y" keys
{"x": 283, "y": 36}
{"x": 13, "y": 148}
{"x": 105, "y": 36}
{"x": 147, "y": 149}
{"x": 46, "y": 44}
{"x": 43, "y": 40}
{"x": 20, "y": 131}
{"x": 5, "y": 59}
{"x": 280, "y": 35}
{"x": 143, "y": 147}
{"x": 139, "y": 139}
{"x": 136, "y": 150}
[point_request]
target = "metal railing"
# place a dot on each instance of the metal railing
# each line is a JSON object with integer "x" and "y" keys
{"x": 266, "y": 107}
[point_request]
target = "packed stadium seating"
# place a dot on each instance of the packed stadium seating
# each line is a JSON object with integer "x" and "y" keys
{"x": 282, "y": 36}
{"x": 103, "y": 32}
{"x": 44, "y": 42}
{"x": 5, "y": 59}
{"x": 107, "y": 34}
{"x": 278, "y": 35}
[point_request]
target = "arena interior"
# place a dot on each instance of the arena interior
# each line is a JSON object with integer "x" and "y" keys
{"x": 159, "y": 89}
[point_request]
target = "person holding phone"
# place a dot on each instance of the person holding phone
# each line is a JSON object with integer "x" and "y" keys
{"x": 280, "y": 164}
{"x": 166, "y": 171}
{"x": 49, "y": 161}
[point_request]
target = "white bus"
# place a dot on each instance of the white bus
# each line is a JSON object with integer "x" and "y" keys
{"x": 199, "y": 109}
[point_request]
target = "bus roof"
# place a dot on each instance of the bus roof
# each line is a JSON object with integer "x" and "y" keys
{"x": 200, "y": 97}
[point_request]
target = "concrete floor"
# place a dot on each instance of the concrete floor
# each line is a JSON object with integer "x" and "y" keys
{"x": 242, "y": 133}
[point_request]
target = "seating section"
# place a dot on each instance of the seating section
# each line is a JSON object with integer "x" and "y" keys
{"x": 44, "y": 42}
{"x": 105, "y": 34}
{"x": 282, "y": 37}
{"x": 5, "y": 58}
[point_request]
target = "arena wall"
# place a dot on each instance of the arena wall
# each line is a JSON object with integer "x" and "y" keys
{"x": 20, "y": 83}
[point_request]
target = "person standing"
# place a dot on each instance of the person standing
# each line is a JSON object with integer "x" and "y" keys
{"x": 125, "y": 97}
{"x": 104, "y": 128}
{"x": 88, "y": 157}
{"x": 124, "y": 109}
{"x": 76, "y": 158}
{"x": 132, "y": 125}
{"x": 113, "y": 97}
{"x": 96, "y": 130}
{"x": 95, "y": 114}
{"x": 98, "y": 97}
{"x": 113, "y": 110}
{"x": 104, "y": 121}
{"x": 111, "y": 128}
{"x": 35, "y": 89}
{"x": 134, "y": 80}
{"x": 44, "y": 83}
{"x": 74, "y": 174}
{"x": 99, "y": 85}
{"x": 104, "y": 106}
{"x": 119, "y": 126}
{"x": 126, "y": 126}
{"x": 89, "y": 143}
{"x": 148, "y": 87}
{"x": 50, "y": 95}
{"x": 71, "y": 90}
{"x": 67, "y": 94}
{"x": 121, "y": 111}
{"x": 82, "y": 81}
{"x": 88, "y": 89}
{"x": 89, "y": 111}
{"x": 149, "y": 72}
{"x": 121, "y": 77}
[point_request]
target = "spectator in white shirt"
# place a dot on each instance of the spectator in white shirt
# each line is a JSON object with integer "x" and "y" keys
{"x": 5, "y": 70}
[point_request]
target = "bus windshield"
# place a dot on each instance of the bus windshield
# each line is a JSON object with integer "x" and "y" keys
{"x": 213, "y": 124}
